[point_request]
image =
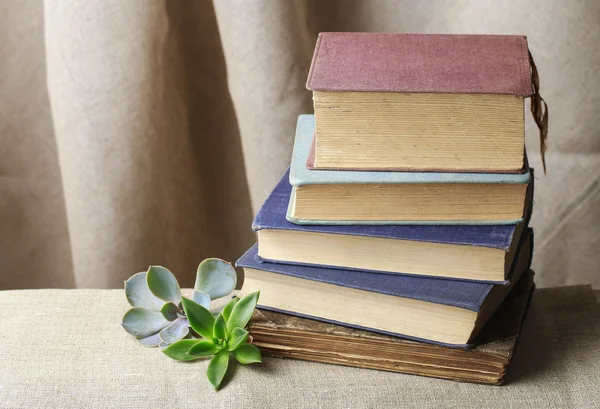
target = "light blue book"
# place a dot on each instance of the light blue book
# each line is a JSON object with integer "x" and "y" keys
{"x": 381, "y": 197}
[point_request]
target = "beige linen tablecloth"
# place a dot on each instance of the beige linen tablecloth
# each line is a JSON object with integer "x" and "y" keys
{"x": 65, "y": 349}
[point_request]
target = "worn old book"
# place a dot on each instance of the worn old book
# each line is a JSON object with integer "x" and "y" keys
{"x": 391, "y": 197}
{"x": 472, "y": 252}
{"x": 446, "y": 312}
{"x": 287, "y": 336}
{"x": 420, "y": 102}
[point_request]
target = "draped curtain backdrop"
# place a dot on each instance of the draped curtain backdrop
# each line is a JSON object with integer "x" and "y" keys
{"x": 149, "y": 132}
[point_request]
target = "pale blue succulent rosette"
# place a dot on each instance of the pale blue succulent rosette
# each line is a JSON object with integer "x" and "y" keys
{"x": 187, "y": 329}
{"x": 157, "y": 315}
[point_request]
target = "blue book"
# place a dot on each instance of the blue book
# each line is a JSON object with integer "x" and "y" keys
{"x": 383, "y": 197}
{"x": 440, "y": 311}
{"x": 470, "y": 252}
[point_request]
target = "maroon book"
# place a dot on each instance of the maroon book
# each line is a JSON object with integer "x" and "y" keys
{"x": 421, "y": 63}
{"x": 423, "y": 102}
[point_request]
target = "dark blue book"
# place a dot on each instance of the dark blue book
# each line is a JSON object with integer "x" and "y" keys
{"x": 447, "y": 312}
{"x": 469, "y": 252}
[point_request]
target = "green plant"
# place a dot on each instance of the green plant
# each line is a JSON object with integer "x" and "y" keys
{"x": 185, "y": 328}
{"x": 222, "y": 336}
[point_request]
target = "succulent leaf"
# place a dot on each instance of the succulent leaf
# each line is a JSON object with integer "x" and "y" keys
{"x": 175, "y": 331}
{"x": 142, "y": 323}
{"x": 200, "y": 319}
{"x": 217, "y": 368}
{"x": 215, "y": 277}
{"x": 139, "y": 295}
{"x": 237, "y": 338}
{"x": 247, "y": 354}
{"x": 179, "y": 350}
{"x": 226, "y": 312}
{"x": 151, "y": 341}
{"x": 202, "y": 298}
{"x": 204, "y": 347}
{"x": 242, "y": 312}
{"x": 170, "y": 311}
{"x": 163, "y": 284}
{"x": 220, "y": 328}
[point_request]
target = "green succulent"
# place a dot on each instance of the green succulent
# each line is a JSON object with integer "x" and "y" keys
{"x": 158, "y": 317}
{"x": 222, "y": 336}
{"x": 185, "y": 328}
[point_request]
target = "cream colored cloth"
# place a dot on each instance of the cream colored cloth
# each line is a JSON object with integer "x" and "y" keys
{"x": 66, "y": 349}
{"x": 149, "y": 132}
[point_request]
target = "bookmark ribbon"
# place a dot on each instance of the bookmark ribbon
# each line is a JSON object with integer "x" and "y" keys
{"x": 539, "y": 110}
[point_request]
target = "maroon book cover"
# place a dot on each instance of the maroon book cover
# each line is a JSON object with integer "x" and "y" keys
{"x": 419, "y": 63}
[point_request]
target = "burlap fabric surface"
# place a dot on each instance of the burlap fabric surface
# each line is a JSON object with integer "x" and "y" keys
{"x": 65, "y": 349}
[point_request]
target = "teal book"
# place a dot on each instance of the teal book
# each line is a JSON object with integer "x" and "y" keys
{"x": 383, "y": 197}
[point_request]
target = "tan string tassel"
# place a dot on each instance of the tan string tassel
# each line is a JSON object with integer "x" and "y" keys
{"x": 539, "y": 109}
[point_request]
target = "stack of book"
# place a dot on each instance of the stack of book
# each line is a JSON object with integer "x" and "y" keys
{"x": 398, "y": 238}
